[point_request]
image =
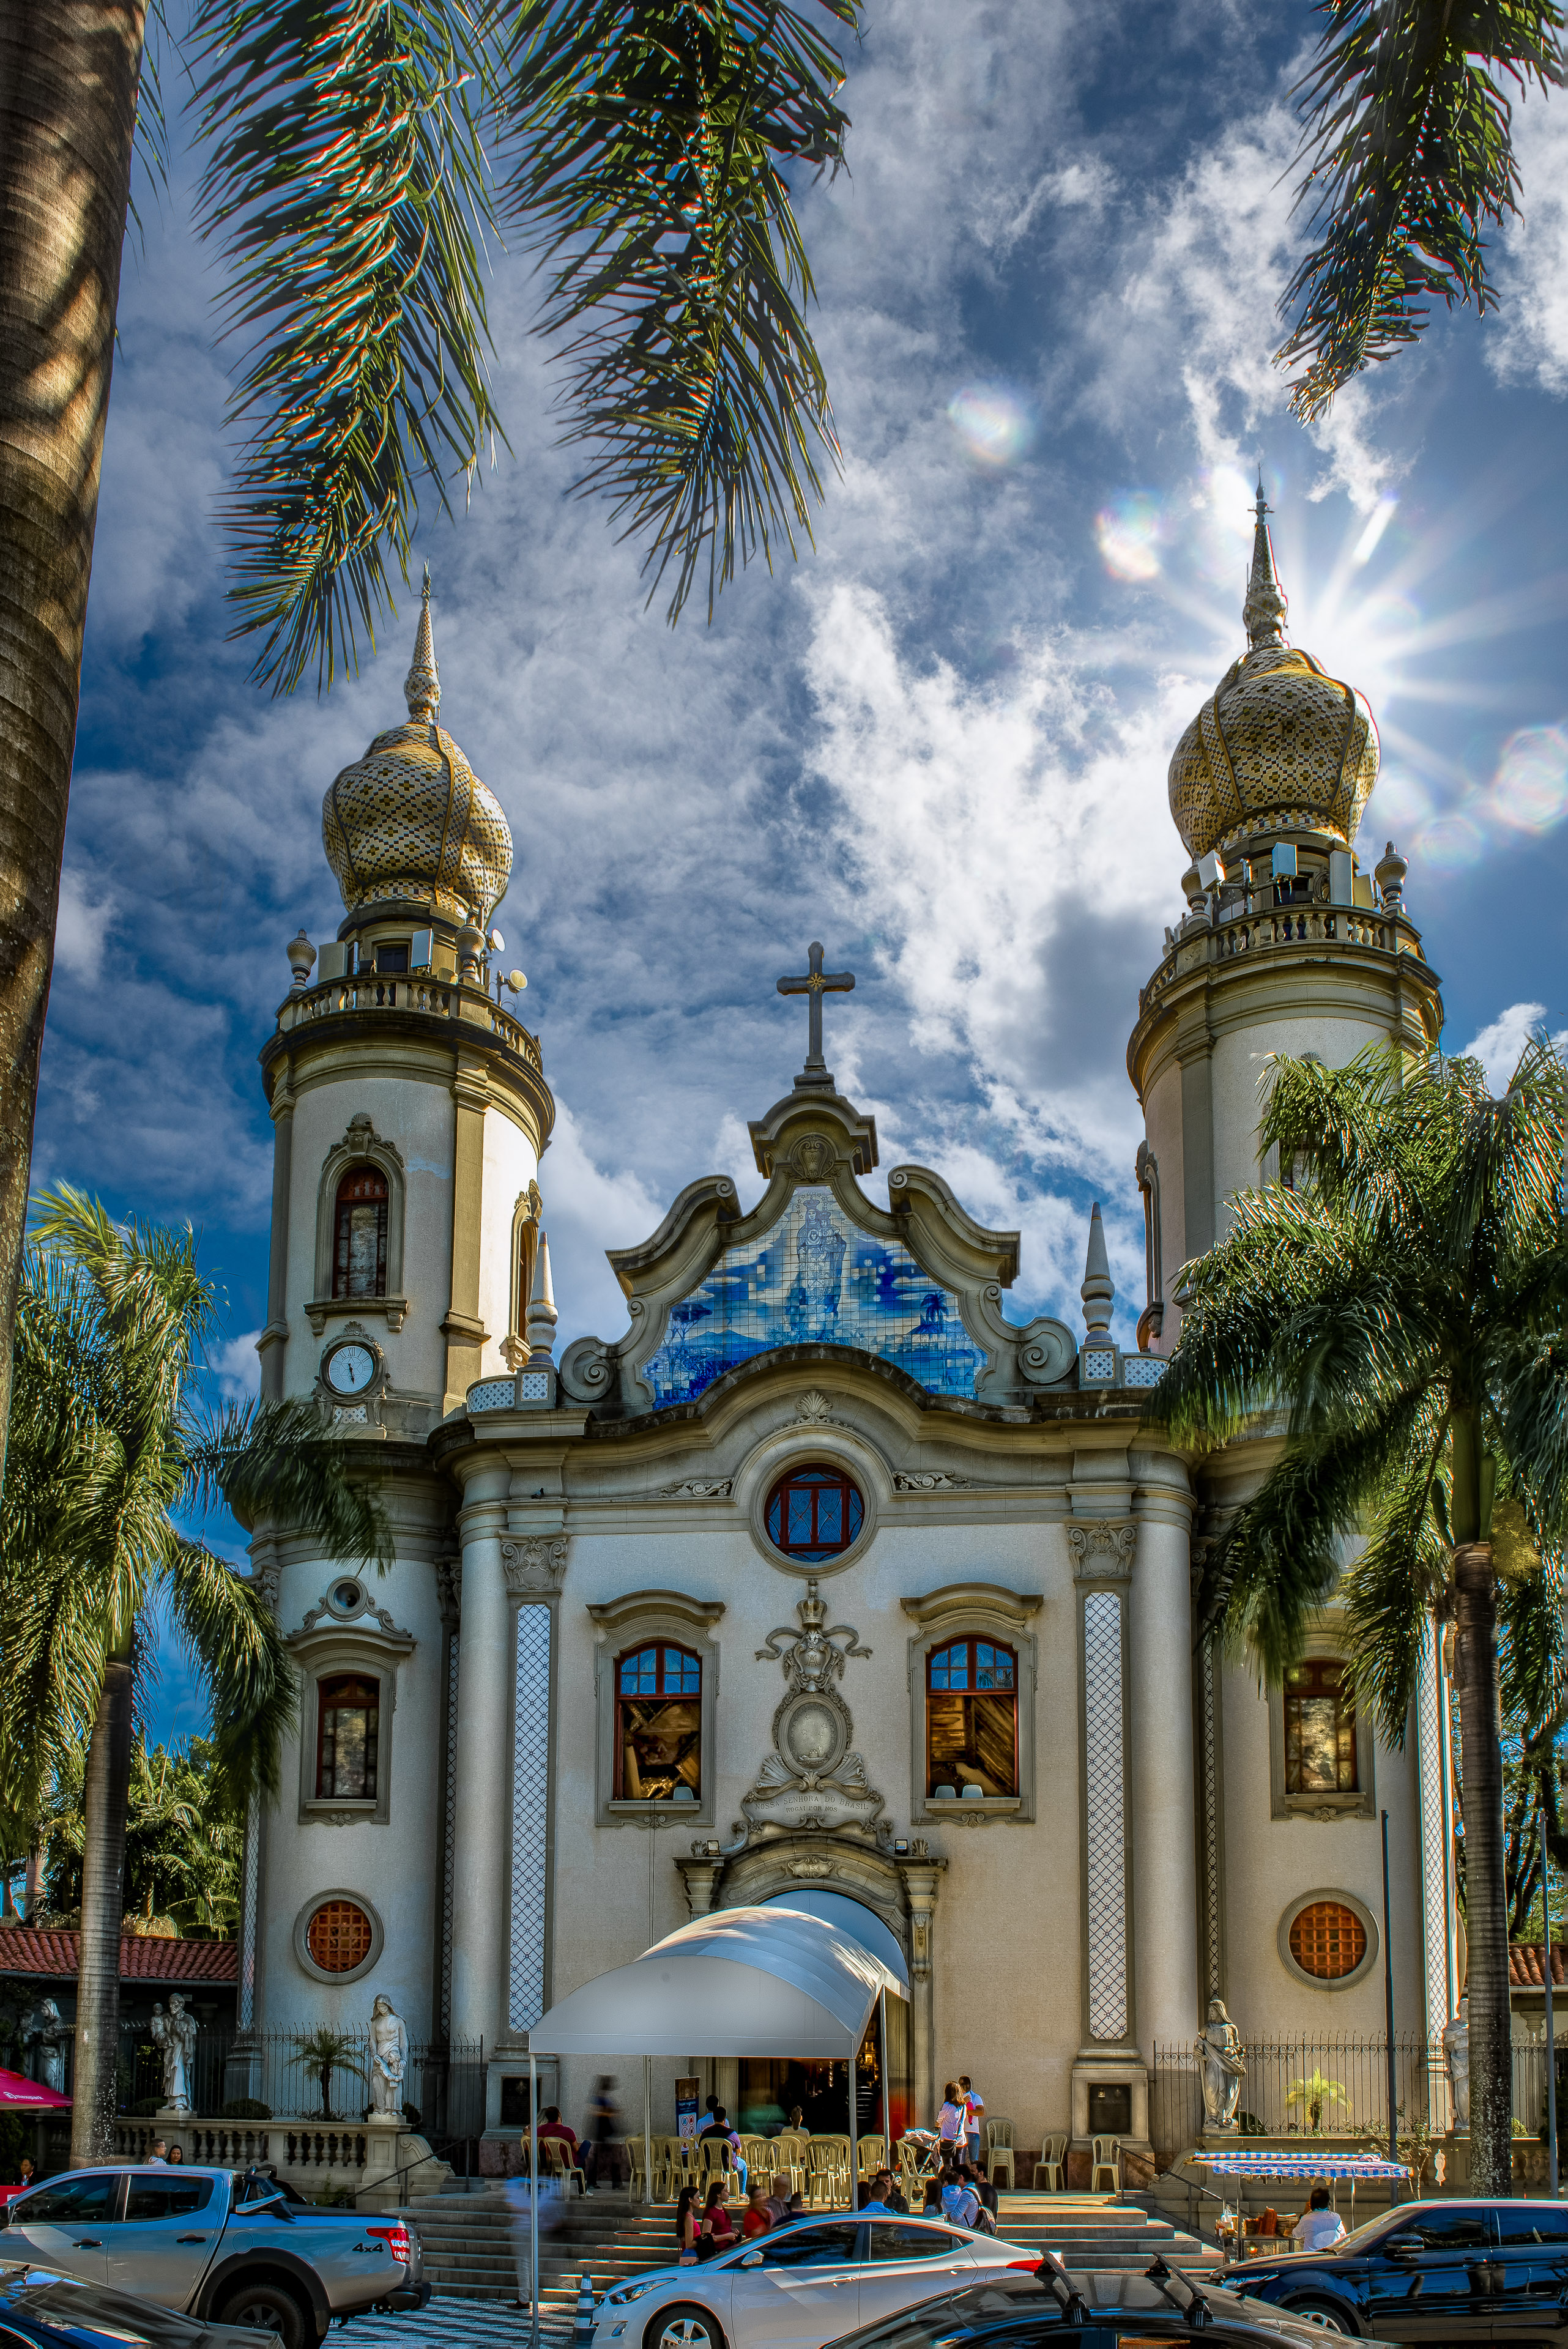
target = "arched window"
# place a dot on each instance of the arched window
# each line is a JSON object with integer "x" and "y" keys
{"x": 813, "y": 1513}
{"x": 349, "y": 1721}
{"x": 360, "y": 1244}
{"x": 971, "y": 1719}
{"x": 659, "y": 1725}
{"x": 1320, "y": 1729}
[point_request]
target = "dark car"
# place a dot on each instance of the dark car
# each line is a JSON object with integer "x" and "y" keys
{"x": 42, "y": 2310}
{"x": 1103, "y": 2311}
{"x": 1430, "y": 2272}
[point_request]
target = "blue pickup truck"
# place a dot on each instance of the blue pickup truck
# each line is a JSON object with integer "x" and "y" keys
{"x": 230, "y": 2246}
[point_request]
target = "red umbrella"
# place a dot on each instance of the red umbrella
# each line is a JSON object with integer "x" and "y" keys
{"x": 17, "y": 2094}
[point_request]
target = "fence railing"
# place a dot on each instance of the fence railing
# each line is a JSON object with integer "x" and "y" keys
{"x": 1338, "y": 2088}
{"x": 443, "y": 2085}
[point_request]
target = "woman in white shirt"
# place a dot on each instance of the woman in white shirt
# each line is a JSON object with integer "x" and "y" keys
{"x": 950, "y": 2120}
{"x": 1318, "y": 2228}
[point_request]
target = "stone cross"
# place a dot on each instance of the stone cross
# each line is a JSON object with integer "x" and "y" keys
{"x": 816, "y": 984}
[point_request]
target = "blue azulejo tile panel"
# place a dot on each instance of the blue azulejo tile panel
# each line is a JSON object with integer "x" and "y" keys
{"x": 816, "y": 1276}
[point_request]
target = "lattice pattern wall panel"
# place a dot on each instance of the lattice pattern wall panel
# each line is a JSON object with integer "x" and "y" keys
{"x": 1105, "y": 1777}
{"x": 249, "y": 1897}
{"x": 1209, "y": 1795}
{"x": 530, "y": 1801}
{"x": 449, "y": 1848}
{"x": 1434, "y": 1837}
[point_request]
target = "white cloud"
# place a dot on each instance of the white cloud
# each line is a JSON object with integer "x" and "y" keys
{"x": 1499, "y": 1045}
{"x": 236, "y": 1366}
{"x": 83, "y": 924}
{"x": 1528, "y": 339}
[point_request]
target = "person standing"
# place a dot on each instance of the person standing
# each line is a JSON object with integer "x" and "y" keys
{"x": 758, "y": 2217}
{"x": 974, "y": 2107}
{"x": 606, "y": 2151}
{"x": 951, "y": 2120}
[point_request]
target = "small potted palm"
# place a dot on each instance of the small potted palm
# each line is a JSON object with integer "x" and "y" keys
{"x": 323, "y": 2052}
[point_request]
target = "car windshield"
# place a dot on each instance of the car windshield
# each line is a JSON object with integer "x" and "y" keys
{"x": 1371, "y": 2230}
{"x": 956, "y": 2312}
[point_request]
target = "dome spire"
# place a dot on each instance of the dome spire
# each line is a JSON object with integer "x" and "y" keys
{"x": 1263, "y": 612}
{"x": 421, "y": 686}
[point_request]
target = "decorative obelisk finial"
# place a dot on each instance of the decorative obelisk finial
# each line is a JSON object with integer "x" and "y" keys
{"x": 1264, "y": 609}
{"x": 540, "y": 1327}
{"x": 1098, "y": 1291}
{"x": 421, "y": 686}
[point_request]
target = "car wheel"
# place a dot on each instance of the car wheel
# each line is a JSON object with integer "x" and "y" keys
{"x": 684, "y": 2326}
{"x": 1327, "y": 2312}
{"x": 269, "y": 2308}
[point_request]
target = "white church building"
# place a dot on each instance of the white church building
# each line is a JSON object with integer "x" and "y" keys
{"x": 824, "y": 1576}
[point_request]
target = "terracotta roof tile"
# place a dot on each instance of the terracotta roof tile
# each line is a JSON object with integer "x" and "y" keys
{"x": 42, "y": 1950}
{"x": 1524, "y": 1966}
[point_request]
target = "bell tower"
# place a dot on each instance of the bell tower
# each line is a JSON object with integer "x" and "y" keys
{"x": 409, "y": 1103}
{"x": 1287, "y": 945}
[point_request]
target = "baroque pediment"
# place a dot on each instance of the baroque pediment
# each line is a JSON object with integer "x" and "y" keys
{"x": 918, "y": 1285}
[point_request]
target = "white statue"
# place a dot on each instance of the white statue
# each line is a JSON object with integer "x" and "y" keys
{"x": 174, "y": 2036}
{"x": 388, "y": 2058}
{"x": 47, "y": 2034}
{"x": 1220, "y": 2067}
{"x": 1457, "y": 2049}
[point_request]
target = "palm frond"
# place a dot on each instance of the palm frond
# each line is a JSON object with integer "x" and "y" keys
{"x": 1392, "y": 1588}
{"x": 1409, "y": 159}
{"x": 232, "y": 1638}
{"x": 275, "y": 1464}
{"x": 348, "y": 179}
{"x": 655, "y": 137}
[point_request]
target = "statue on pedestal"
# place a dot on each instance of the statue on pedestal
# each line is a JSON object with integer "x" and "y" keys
{"x": 1457, "y": 2051}
{"x": 47, "y": 2034}
{"x": 1220, "y": 2067}
{"x": 388, "y": 2060}
{"x": 174, "y": 2036}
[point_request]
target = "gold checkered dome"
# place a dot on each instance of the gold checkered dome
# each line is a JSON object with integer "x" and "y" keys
{"x": 411, "y": 820}
{"x": 1281, "y": 746}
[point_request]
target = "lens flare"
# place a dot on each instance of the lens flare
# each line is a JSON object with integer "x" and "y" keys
{"x": 1529, "y": 790}
{"x": 1222, "y": 537}
{"x": 1366, "y": 544}
{"x": 1450, "y": 843}
{"x": 995, "y": 424}
{"x": 1130, "y": 533}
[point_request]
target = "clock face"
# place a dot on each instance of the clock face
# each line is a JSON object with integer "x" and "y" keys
{"x": 349, "y": 1370}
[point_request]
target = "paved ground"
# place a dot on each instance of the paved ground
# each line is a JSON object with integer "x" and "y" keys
{"x": 451, "y": 2323}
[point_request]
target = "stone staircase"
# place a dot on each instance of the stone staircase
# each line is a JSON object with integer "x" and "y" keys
{"x": 466, "y": 2242}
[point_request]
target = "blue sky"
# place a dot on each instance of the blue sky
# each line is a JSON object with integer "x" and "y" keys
{"x": 939, "y": 742}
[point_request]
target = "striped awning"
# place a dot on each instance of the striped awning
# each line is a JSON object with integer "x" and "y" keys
{"x": 1298, "y": 2165}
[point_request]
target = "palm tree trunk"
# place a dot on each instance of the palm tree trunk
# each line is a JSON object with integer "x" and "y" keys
{"x": 1486, "y": 1897}
{"x": 68, "y": 113}
{"x": 106, "y": 1801}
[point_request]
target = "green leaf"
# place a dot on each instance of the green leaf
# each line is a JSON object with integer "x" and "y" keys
{"x": 655, "y": 138}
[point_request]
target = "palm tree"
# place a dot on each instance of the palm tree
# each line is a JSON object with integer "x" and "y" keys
{"x": 112, "y": 1454}
{"x": 1408, "y": 161}
{"x": 185, "y": 1840}
{"x": 359, "y": 158}
{"x": 1398, "y": 1319}
{"x": 324, "y": 2051}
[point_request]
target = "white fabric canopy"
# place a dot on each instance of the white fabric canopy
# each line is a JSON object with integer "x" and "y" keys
{"x": 854, "y": 1917}
{"x": 741, "y": 1982}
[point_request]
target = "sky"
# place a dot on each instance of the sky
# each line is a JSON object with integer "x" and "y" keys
{"x": 937, "y": 742}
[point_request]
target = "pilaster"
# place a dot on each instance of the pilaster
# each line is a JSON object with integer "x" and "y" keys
{"x": 464, "y": 1329}
{"x": 274, "y": 1339}
{"x": 922, "y": 1881}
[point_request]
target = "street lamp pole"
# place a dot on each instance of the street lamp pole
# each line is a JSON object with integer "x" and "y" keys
{"x": 1388, "y": 2006}
{"x": 1551, "y": 2027}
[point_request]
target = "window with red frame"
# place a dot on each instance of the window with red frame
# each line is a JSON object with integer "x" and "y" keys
{"x": 971, "y": 1719}
{"x": 359, "y": 1247}
{"x": 349, "y": 1721}
{"x": 659, "y": 1725}
{"x": 813, "y": 1513}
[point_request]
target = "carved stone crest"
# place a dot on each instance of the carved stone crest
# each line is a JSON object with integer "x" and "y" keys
{"x": 811, "y": 1779}
{"x": 535, "y": 1562}
{"x": 1103, "y": 1549}
{"x": 813, "y": 1406}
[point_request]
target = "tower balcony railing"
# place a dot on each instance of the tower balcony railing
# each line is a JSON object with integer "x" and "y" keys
{"x": 433, "y": 998}
{"x": 1288, "y": 928}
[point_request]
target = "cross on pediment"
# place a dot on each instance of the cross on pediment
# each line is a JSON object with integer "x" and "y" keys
{"x": 813, "y": 986}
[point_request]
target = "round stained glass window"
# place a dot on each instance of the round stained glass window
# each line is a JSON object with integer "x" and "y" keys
{"x": 813, "y": 1513}
{"x": 339, "y": 1936}
{"x": 1328, "y": 1940}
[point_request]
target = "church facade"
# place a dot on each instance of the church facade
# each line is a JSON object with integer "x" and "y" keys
{"x": 826, "y": 1577}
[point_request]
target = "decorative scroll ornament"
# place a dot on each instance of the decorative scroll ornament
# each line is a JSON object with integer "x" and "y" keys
{"x": 811, "y": 1779}
{"x": 697, "y": 1488}
{"x": 1103, "y": 1549}
{"x": 535, "y": 1563}
{"x": 929, "y": 1480}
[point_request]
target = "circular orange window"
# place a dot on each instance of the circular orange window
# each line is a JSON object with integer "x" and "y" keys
{"x": 1328, "y": 1940}
{"x": 339, "y": 1936}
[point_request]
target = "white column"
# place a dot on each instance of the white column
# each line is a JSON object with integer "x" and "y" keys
{"x": 1165, "y": 1848}
{"x": 482, "y": 1778}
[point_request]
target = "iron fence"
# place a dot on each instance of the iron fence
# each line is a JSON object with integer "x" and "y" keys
{"x": 1333, "y": 2088}
{"x": 443, "y": 2085}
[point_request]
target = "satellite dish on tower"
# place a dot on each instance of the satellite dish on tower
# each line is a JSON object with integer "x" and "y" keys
{"x": 516, "y": 981}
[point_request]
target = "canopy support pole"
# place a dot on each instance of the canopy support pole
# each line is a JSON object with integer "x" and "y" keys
{"x": 647, "y": 2128}
{"x": 533, "y": 2193}
{"x": 887, "y": 2106}
{"x": 853, "y": 2119}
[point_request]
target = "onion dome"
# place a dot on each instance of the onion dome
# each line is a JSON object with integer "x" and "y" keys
{"x": 410, "y": 819}
{"x": 1282, "y": 745}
